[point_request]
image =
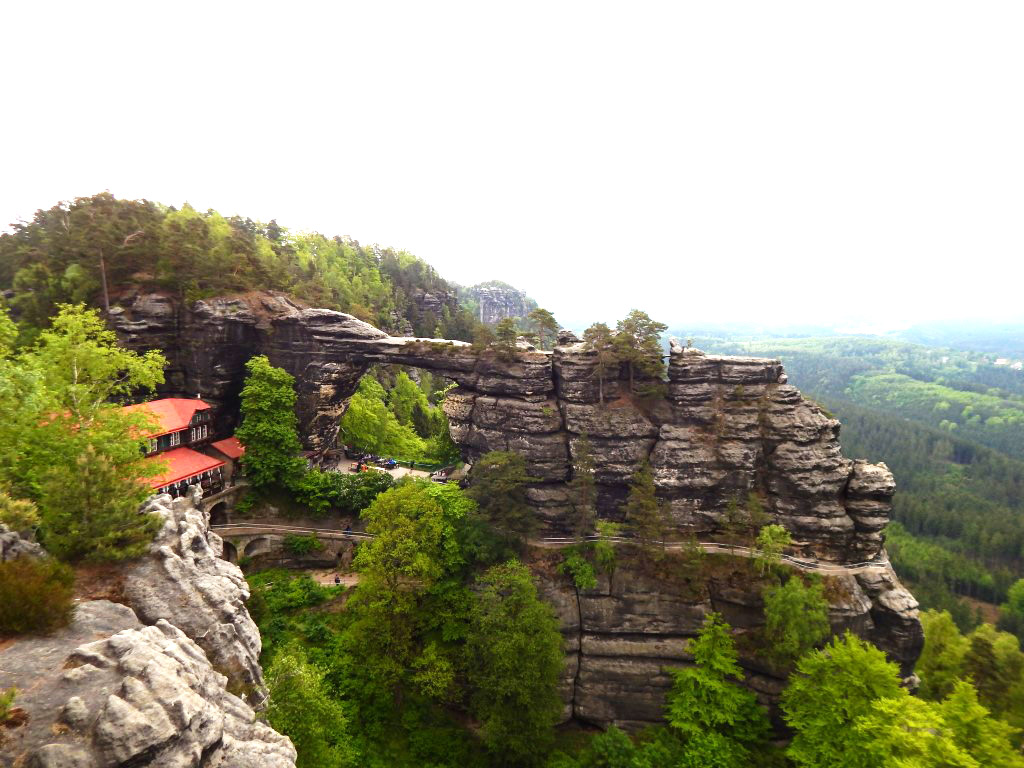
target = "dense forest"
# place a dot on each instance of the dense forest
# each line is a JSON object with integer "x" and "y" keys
{"x": 950, "y": 425}
{"x": 78, "y": 251}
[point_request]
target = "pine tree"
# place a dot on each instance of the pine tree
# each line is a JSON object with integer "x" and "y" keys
{"x": 638, "y": 344}
{"x": 600, "y": 340}
{"x": 582, "y": 488}
{"x": 92, "y": 512}
{"x": 544, "y": 325}
{"x": 646, "y": 514}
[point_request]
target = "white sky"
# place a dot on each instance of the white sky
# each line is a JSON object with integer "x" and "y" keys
{"x": 715, "y": 161}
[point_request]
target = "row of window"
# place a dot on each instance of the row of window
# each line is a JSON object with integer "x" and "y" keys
{"x": 173, "y": 439}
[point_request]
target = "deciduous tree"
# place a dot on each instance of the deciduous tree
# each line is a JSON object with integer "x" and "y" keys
{"x": 514, "y": 661}
{"x": 269, "y": 429}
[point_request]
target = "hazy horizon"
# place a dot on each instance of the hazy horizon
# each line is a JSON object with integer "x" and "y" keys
{"x": 779, "y": 164}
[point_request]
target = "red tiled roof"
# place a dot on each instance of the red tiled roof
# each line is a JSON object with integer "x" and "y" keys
{"x": 230, "y": 447}
{"x": 171, "y": 413}
{"x": 182, "y": 463}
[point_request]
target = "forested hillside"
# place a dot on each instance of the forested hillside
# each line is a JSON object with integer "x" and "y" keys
{"x": 66, "y": 253}
{"x": 950, "y": 425}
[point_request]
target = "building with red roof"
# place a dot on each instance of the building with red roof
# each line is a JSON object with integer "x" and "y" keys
{"x": 180, "y": 425}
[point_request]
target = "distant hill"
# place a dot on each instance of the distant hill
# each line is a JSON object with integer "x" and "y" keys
{"x": 493, "y": 301}
{"x": 68, "y": 252}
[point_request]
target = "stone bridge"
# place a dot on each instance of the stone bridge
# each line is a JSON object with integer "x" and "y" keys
{"x": 730, "y": 436}
{"x": 254, "y": 537}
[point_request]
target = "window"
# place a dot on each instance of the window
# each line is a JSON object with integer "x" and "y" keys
{"x": 175, "y": 438}
{"x": 151, "y": 445}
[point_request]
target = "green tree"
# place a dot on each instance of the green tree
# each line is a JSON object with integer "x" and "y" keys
{"x": 269, "y": 428}
{"x": 708, "y": 709}
{"x": 506, "y": 332}
{"x": 497, "y": 482}
{"x": 601, "y": 341}
{"x": 638, "y": 344}
{"x": 903, "y": 731}
{"x": 301, "y": 707}
{"x": 583, "y": 488}
{"x": 65, "y": 446}
{"x": 18, "y": 514}
{"x": 796, "y": 619}
{"x": 942, "y": 658}
{"x": 646, "y": 514}
{"x": 771, "y": 541}
{"x": 371, "y": 426}
{"x": 544, "y": 325}
{"x": 831, "y": 689}
{"x": 92, "y": 513}
{"x": 514, "y": 661}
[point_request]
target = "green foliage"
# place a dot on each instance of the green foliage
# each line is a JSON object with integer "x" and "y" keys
{"x": 92, "y": 512}
{"x": 498, "y": 483}
{"x": 708, "y": 710}
{"x": 371, "y": 426}
{"x": 18, "y": 514}
{"x": 7, "y": 703}
{"x": 638, "y": 344}
{"x": 770, "y": 543}
{"x": 647, "y": 515}
{"x": 346, "y": 494}
{"x": 604, "y": 550}
{"x": 302, "y": 708}
{"x": 579, "y": 569}
{"x": 796, "y": 619}
{"x": 514, "y": 661}
{"x": 506, "y": 332}
{"x": 57, "y": 257}
{"x": 544, "y": 325}
{"x": 582, "y": 488}
{"x": 601, "y": 341}
{"x": 300, "y": 545}
{"x": 35, "y": 595}
{"x": 834, "y": 687}
{"x": 269, "y": 429}
{"x": 54, "y": 402}
{"x": 941, "y": 661}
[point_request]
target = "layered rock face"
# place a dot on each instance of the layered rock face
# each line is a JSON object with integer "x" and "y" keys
{"x": 106, "y": 691}
{"x": 730, "y": 439}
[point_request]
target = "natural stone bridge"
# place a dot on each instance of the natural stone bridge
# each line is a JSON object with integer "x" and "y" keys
{"x": 728, "y": 430}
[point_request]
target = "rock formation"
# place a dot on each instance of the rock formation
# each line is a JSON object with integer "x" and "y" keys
{"x": 497, "y": 301}
{"x": 106, "y": 691}
{"x": 729, "y": 436}
{"x": 185, "y": 580}
{"x": 110, "y": 691}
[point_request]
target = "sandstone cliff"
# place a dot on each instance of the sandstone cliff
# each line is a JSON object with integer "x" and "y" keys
{"x": 730, "y": 429}
{"x": 496, "y": 301}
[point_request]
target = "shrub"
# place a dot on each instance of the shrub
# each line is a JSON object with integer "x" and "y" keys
{"x": 579, "y": 568}
{"x": 6, "y": 702}
{"x": 18, "y": 514}
{"x": 302, "y": 545}
{"x": 35, "y": 595}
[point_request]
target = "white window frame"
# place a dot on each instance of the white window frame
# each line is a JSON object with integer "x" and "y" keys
{"x": 175, "y": 438}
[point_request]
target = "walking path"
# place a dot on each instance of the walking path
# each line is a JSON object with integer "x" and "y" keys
{"x": 256, "y": 527}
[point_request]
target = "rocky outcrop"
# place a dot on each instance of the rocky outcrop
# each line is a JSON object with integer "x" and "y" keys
{"x": 496, "y": 301}
{"x": 731, "y": 444}
{"x": 13, "y": 545}
{"x": 184, "y": 580}
{"x": 106, "y": 691}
